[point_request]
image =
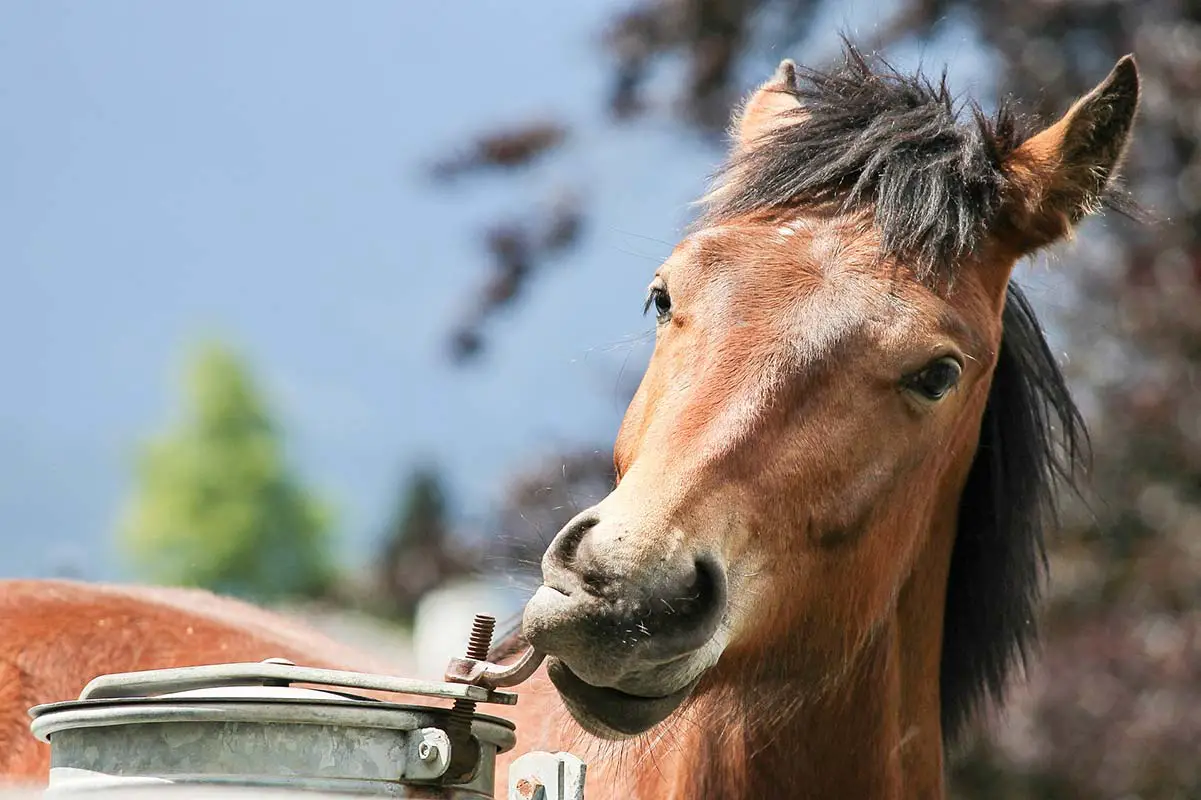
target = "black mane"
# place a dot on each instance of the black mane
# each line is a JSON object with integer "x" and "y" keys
{"x": 886, "y": 143}
{"x": 1031, "y": 437}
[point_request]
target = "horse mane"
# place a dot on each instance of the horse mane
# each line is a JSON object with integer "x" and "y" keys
{"x": 1032, "y": 437}
{"x": 874, "y": 140}
{"x": 871, "y": 139}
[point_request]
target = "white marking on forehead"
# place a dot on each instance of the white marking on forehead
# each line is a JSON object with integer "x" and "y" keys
{"x": 735, "y": 420}
{"x": 795, "y": 226}
{"x": 826, "y": 317}
{"x": 825, "y": 249}
{"x": 798, "y": 224}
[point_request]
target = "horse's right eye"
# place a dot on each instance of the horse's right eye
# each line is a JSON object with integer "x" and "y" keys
{"x": 933, "y": 381}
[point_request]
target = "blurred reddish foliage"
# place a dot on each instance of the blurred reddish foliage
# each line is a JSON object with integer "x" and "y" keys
{"x": 507, "y": 149}
{"x": 517, "y": 250}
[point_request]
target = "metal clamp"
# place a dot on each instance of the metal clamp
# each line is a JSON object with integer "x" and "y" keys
{"x": 428, "y": 754}
{"x": 477, "y": 672}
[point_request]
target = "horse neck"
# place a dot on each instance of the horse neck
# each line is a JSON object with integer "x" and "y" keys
{"x": 875, "y": 732}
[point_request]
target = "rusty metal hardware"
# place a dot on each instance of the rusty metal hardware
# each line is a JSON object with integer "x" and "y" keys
{"x": 481, "y": 672}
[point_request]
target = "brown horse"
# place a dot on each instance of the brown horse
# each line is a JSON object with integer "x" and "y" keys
{"x": 823, "y": 552}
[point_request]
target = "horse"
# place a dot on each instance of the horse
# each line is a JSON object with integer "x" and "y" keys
{"x": 823, "y": 552}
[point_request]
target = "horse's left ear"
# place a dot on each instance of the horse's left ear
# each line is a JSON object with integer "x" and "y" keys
{"x": 768, "y": 108}
{"x": 1062, "y": 173}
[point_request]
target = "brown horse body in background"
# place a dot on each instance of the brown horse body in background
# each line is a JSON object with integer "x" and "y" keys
{"x": 824, "y": 548}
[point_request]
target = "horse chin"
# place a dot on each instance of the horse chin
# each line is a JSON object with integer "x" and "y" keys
{"x": 610, "y": 713}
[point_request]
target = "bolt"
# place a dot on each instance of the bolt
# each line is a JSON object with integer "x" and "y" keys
{"x": 283, "y": 662}
{"x": 459, "y": 724}
{"x": 427, "y": 752}
{"x": 478, "y": 645}
{"x": 480, "y": 641}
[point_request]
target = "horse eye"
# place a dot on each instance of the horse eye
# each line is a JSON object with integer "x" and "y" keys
{"x": 933, "y": 381}
{"x": 661, "y": 300}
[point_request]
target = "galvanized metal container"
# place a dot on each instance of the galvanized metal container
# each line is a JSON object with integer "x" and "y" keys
{"x": 247, "y": 725}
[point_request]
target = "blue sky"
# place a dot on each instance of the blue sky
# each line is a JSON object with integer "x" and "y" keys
{"x": 253, "y": 171}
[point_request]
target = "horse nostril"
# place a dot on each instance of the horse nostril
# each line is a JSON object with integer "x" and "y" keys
{"x": 705, "y": 592}
{"x": 578, "y": 532}
{"x": 566, "y": 544}
{"x": 560, "y": 563}
{"x": 683, "y": 610}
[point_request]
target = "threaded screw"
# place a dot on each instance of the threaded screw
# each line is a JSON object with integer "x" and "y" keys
{"x": 481, "y": 637}
{"x": 459, "y": 724}
{"x": 478, "y": 645}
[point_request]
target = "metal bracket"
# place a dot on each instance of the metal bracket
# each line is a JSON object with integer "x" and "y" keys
{"x": 428, "y": 754}
{"x": 494, "y": 676}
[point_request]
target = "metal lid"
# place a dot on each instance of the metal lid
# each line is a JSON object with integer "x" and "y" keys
{"x": 255, "y": 690}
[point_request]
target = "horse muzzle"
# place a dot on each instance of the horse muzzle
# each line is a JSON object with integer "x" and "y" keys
{"x": 629, "y": 631}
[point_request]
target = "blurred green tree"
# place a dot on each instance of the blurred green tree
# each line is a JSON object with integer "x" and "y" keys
{"x": 418, "y": 552}
{"x": 216, "y": 505}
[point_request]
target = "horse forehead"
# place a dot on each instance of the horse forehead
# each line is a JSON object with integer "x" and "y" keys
{"x": 786, "y": 258}
{"x": 849, "y": 306}
{"x": 821, "y": 279}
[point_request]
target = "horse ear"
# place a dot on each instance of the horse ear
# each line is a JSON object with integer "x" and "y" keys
{"x": 1061, "y": 174}
{"x": 767, "y": 108}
